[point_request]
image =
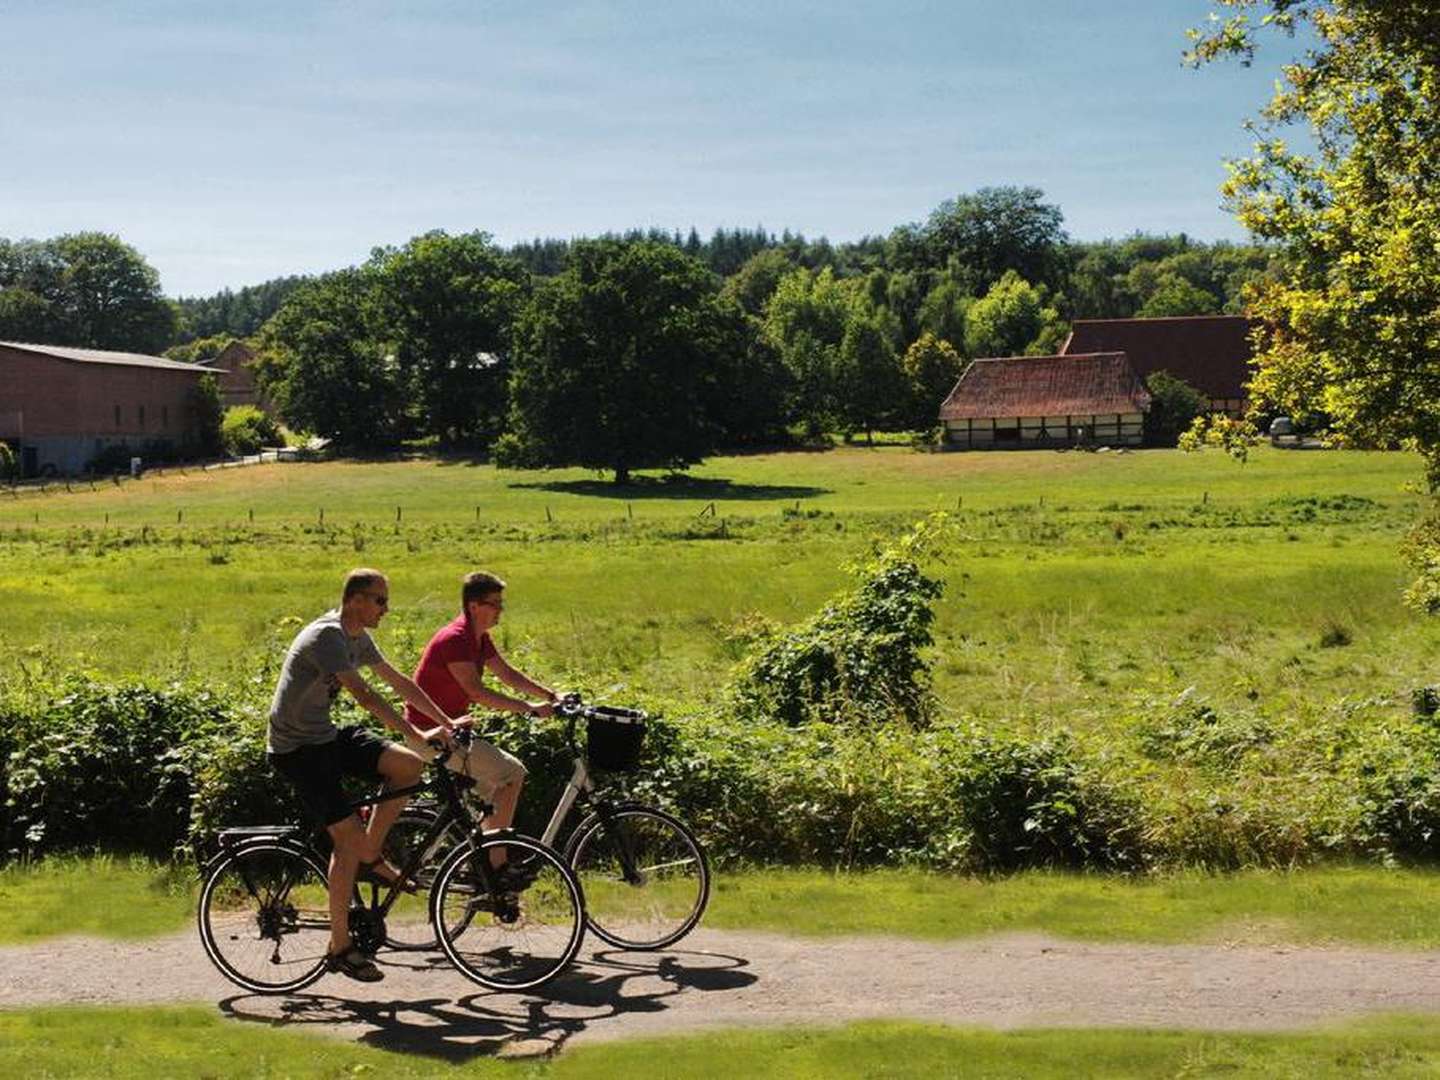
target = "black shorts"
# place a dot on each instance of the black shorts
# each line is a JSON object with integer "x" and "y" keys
{"x": 316, "y": 770}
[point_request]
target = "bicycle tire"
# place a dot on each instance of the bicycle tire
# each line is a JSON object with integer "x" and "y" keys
{"x": 402, "y": 930}
{"x": 255, "y": 898}
{"x": 663, "y": 892}
{"x": 495, "y": 944}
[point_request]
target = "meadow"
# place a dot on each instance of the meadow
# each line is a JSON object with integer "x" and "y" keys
{"x": 1079, "y": 585}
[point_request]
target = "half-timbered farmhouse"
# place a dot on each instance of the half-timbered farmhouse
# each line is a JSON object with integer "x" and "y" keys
{"x": 61, "y": 407}
{"x": 1046, "y": 401}
{"x": 1209, "y": 352}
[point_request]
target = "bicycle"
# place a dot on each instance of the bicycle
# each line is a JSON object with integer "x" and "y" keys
{"x": 264, "y": 910}
{"x": 644, "y": 874}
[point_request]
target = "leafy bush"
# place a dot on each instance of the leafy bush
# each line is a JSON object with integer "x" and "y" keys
{"x": 1036, "y": 802}
{"x": 1189, "y": 730}
{"x": 246, "y": 429}
{"x": 860, "y": 658}
{"x": 106, "y": 766}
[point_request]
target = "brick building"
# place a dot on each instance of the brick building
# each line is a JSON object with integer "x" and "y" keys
{"x": 61, "y": 407}
{"x": 1029, "y": 402}
{"x": 235, "y": 371}
{"x": 1210, "y": 352}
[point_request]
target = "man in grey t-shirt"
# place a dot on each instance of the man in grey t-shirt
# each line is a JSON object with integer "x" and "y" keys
{"x": 313, "y": 754}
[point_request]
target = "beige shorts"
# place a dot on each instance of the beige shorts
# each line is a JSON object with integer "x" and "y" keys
{"x": 490, "y": 767}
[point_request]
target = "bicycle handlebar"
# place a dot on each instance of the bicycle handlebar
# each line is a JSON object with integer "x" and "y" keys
{"x": 574, "y": 709}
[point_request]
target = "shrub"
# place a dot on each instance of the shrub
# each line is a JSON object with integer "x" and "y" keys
{"x": 105, "y": 766}
{"x": 860, "y": 658}
{"x": 246, "y": 429}
{"x": 1035, "y": 802}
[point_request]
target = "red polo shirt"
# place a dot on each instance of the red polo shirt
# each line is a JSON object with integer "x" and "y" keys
{"x": 453, "y": 643}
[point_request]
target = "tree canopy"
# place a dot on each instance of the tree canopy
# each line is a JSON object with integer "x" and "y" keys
{"x": 1350, "y": 332}
{"x": 87, "y": 290}
{"x": 618, "y": 362}
{"x": 1351, "y": 326}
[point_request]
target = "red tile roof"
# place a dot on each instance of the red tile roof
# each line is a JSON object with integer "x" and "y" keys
{"x": 1098, "y": 384}
{"x": 1210, "y": 352}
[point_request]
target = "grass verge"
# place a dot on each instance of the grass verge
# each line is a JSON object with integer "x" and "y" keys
{"x": 196, "y": 1042}
{"x": 133, "y": 898}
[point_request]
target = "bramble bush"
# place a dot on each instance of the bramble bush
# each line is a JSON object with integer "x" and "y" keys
{"x": 860, "y": 658}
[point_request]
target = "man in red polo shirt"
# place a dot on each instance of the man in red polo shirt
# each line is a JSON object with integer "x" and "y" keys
{"x": 451, "y": 671}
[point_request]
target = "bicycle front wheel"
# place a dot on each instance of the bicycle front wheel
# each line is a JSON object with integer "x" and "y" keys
{"x": 265, "y": 917}
{"x": 507, "y": 940}
{"x": 645, "y": 876}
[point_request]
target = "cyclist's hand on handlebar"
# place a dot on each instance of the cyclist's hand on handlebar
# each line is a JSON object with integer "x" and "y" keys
{"x": 540, "y": 709}
{"x": 439, "y": 738}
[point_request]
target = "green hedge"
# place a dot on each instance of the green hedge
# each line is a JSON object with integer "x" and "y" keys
{"x": 160, "y": 769}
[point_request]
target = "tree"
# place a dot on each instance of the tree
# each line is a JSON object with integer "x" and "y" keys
{"x": 1012, "y": 318}
{"x": 327, "y": 367}
{"x": 89, "y": 290}
{"x": 1174, "y": 405}
{"x": 1350, "y": 324}
{"x": 994, "y": 230}
{"x": 1174, "y": 295}
{"x": 9, "y": 463}
{"x": 870, "y": 389}
{"x": 931, "y": 366}
{"x": 942, "y": 312}
{"x": 617, "y": 362}
{"x": 754, "y": 283}
{"x": 446, "y": 305}
{"x": 805, "y": 322}
{"x": 206, "y": 416}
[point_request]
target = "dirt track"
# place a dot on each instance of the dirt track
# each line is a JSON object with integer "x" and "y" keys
{"x": 722, "y": 979}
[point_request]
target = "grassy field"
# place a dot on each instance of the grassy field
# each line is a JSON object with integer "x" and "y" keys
{"x": 134, "y": 898}
{"x": 1080, "y": 581}
{"x": 118, "y": 1043}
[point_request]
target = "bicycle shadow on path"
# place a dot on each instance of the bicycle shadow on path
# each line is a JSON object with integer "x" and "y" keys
{"x": 607, "y": 986}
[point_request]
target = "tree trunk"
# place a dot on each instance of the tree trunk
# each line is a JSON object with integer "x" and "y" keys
{"x": 622, "y": 474}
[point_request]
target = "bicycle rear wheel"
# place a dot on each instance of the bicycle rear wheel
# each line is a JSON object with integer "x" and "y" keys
{"x": 408, "y": 925}
{"x": 265, "y": 917}
{"x": 645, "y": 876}
{"x": 508, "y": 941}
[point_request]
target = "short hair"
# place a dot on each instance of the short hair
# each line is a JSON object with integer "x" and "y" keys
{"x": 477, "y": 586}
{"x": 360, "y": 579}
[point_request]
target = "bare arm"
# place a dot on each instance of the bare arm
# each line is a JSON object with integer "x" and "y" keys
{"x": 376, "y": 705}
{"x": 516, "y": 679}
{"x": 467, "y": 674}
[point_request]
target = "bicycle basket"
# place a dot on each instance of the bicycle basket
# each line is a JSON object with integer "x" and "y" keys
{"x": 613, "y": 737}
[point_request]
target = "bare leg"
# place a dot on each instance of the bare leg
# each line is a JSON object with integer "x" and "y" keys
{"x": 349, "y": 842}
{"x": 400, "y": 768}
{"x": 504, "y": 799}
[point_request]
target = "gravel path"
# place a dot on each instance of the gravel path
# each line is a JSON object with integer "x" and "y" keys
{"x": 723, "y": 979}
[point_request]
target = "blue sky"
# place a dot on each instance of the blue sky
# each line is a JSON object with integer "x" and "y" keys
{"x": 231, "y": 143}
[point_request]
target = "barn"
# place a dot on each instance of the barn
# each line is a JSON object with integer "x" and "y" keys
{"x": 1019, "y": 402}
{"x": 1210, "y": 352}
{"x": 62, "y": 407}
{"x": 235, "y": 371}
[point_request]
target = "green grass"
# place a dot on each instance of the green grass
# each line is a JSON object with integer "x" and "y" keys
{"x": 195, "y": 1042}
{"x": 102, "y": 896}
{"x": 1078, "y": 580}
{"x": 1358, "y": 905}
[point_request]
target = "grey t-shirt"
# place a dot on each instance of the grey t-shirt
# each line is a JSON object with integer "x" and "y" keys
{"x": 300, "y": 710}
